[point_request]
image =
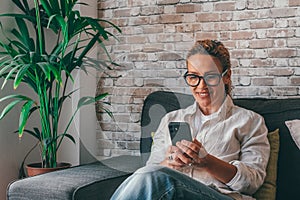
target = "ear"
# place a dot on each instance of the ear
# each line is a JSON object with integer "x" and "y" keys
{"x": 227, "y": 77}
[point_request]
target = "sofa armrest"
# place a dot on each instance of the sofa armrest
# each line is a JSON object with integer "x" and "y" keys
{"x": 92, "y": 181}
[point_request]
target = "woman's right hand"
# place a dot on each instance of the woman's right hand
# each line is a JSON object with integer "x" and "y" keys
{"x": 173, "y": 158}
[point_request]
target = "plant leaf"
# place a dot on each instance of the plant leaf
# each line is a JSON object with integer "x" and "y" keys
{"x": 8, "y": 108}
{"x": 24, "y": 116}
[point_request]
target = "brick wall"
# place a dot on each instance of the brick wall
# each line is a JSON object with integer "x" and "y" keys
{"x": 263, "y": 38}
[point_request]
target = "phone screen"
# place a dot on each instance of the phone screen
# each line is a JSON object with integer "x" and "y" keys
{"x": 179, "y": 131}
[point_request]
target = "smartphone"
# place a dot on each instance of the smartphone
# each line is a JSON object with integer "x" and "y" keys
{"x": 179, "y": 131}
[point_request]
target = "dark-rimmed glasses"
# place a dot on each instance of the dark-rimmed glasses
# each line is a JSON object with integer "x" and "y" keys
{"x": 193, "y": 80}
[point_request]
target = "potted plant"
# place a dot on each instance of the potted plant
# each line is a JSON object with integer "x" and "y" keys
{"x": 48, "y": 68}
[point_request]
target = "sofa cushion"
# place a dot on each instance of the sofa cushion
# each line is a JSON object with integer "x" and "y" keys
{"x": 274, "y": 111}
{"x": 90, "y": 181}
{"x": 268, "y": 190}
{"x": 294, "y": 128}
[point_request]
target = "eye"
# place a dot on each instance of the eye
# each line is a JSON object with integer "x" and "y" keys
{"x": 192, "y": 77}
{"x": 211, "y": 77}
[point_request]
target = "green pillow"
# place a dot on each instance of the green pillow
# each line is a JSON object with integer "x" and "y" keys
{"x": 268, "y": 189}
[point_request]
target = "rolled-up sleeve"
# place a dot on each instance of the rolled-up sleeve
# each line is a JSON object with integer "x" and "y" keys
{"x": 254, "y": 156}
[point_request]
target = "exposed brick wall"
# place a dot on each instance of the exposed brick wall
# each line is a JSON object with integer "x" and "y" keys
{"x": 263, "y": 38}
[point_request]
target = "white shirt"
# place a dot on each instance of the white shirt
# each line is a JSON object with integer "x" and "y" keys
{"x": 232, "y": 134}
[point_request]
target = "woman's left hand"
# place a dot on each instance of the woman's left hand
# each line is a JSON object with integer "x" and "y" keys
{"x": 194, "y": 152}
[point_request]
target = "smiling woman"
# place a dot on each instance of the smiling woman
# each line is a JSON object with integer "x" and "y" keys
{"x": 229, "y": 146}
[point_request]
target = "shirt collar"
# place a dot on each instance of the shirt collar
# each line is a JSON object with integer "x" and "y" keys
{"x": 222, "y": 112}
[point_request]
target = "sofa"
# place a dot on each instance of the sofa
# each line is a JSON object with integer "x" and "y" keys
{"x": 98, "y": 180}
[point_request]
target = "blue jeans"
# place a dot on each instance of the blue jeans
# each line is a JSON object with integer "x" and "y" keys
{"x": 157, "y": 182}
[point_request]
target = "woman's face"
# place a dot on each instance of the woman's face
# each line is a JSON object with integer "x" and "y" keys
{"x": 209, "y": 98}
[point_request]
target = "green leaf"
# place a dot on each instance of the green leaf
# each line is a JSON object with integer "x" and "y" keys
{"x": 20, "y": 74}
{"x": 88, "y": 100}
{"x": 24, "y": 116}
{"x": 8, "y": 108}
{"x": 23, "y": 30}
{"x": 36, "y": 133}
{"x": 15, "y": 96}
{"x": 68, "y": 136}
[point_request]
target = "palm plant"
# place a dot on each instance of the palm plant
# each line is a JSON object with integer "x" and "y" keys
{"x": 47, "y": 68}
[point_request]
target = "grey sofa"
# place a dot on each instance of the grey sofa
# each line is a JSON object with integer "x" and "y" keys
{"x": 98, "y": 180}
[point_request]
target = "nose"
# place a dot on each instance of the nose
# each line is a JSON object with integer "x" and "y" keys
{"x": 202, "y": 84}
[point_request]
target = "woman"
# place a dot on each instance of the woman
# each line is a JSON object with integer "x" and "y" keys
{"x": 229, "y": 152}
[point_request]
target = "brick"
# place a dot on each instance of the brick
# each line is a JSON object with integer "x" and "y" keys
{"x": 254, "y": 4}
{"x": 294, "y": 3}
{"x": 168, "y": 37}
{"x": 295, "y": 81}
{"x": 280, "y": 42}
{"x": 281, "y": 3}
{"x": 280, "y": 62}
{"x": 283, "y": 12}
{"x": 284, "y": 91}
{"x": 244, "y": 81}
{"x": 282, "y": 53}
{"x": 293, "y": 42}
{"x": 189, "y": 18}
{"x": 137, "y": 57}
{"x": 139, "y": 21}
{"x": 207, "y": 17}
{"x": 169, "y": 56}
{"x": 151, "y": 10}
{"x": 280, "y": 33}
{"x": 225, "y": 6}
{"x": 294, "y": 62}
{"x": 105, "y": 144}
{"x": 244, "y": 15}
{"x": 242, "y": 53}
{"x": 167, "y": 2}
{"x": 257, "y": 24}
{"x": 260, "y": 44}
{"x": 263, "y": 81}
{"x": 238, "y": 35}
{"x": 133, "y": 145}
{"x": 122, "y": 12}
{"x": 241, "y": 4}
{"x": 281, "y": 23}
{"x": 282, "y": 81}
{"x": 226, "y": 16}
{"x": 187, "y": 8}
{"x": 261, "y": 53}
{"x": 261, "y": 62}
{"x": 206, "y": 35}
{"x": 245, "y": 91}
{"x": 170, "y": 19}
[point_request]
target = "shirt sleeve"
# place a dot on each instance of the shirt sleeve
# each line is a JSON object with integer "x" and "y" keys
{"x": 161, "y": 141}
{"x": 254, "y": 156}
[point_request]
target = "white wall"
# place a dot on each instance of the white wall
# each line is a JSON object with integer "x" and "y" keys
{"x": 12, "y": 150}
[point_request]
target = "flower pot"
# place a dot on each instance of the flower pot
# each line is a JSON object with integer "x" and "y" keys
{"x": 36, "y": 168}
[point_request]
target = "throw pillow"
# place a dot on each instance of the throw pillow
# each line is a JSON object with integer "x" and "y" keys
{"x": 294, "y": 128}
{"x": 268, "y": 189}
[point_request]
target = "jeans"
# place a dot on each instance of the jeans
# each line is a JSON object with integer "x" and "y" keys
{"x": 157, "y": 182}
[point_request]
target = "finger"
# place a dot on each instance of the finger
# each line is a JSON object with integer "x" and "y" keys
{"x": 195, "y": 141}
{"x": 173, "y": 149}
{"x": 188, "y": 148}
{"x": 185, "y": 159}
{"x": 191, "y": 145}
{"x": 175, "y": 162}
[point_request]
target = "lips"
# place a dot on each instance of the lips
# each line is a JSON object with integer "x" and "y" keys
{"x": 203, "y": 93}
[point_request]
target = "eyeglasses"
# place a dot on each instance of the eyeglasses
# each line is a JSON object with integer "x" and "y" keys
{"x": 193, "y": 80}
